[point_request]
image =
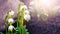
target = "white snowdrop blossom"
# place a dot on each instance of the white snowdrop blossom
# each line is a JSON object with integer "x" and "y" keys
{"x": 11, "y": 13}
{"x": 10, "y": 20}
{"x": 26, "y": 12}
{"x": 10, "y": 27}
{"x": 27, "y": 17}
{"x": 23, "y": 6}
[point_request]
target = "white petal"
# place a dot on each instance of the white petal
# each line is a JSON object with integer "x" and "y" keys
{"x": 10, "y": 20}
{"x": 11, "y": 27}
{"x": 27, "y": 17}
{"x": 26, "y": 12}
{"x": 24, "y": 6}
{"x": 11, "y": 13}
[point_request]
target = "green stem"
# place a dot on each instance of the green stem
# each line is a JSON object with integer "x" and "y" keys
{"x": 5, "y": 25}
{"x": 12, "y": 32}
{"x": 17, "y": 24}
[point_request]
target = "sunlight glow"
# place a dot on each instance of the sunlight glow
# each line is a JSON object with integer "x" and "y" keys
{"x": 44, "y": 7}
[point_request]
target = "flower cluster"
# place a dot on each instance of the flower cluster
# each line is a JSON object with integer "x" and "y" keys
{"x": 22, "y": 14}
{"x": 10, "y": 21}
{"x": 27, "y": 16}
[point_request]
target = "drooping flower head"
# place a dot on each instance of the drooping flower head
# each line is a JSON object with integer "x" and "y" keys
{"x": 11, "y": 13}
{"x": 26, "y": 12}
{"x": 27, "y": 17}
{"x": 10, "y": 27}
{"x": 23, "y": 7}
{"x": 10, "y": 20}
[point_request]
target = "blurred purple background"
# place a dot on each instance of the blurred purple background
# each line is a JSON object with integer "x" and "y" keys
{"x": 51, "y": 26}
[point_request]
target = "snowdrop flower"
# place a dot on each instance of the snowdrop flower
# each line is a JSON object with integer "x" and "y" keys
{"x": 27, "y": 17}
{"x": 10, "y": 20}
{"x": 23, "y": 6}
{"x": 10, "y": 27}
{"x": 26, "y": 12}
{"x": 11, "y": 13}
